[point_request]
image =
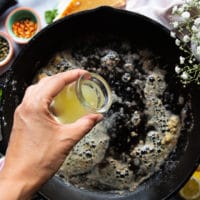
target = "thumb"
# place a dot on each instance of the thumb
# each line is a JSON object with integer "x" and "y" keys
{"x": 82, "y": 126}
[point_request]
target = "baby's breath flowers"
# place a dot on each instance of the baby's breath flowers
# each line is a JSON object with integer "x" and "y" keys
{"x": 185, "y": 21}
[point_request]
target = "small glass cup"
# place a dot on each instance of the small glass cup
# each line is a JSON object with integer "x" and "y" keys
{"x": 89, "y": 94}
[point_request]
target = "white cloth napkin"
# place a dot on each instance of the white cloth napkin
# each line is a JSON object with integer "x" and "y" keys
{"x": 158, "y": 10}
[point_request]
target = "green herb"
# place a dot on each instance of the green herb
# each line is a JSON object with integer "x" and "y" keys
{"x": 1, "y": 93}
{"x": 4, "y": 49}
{"x": 50, "y": 15}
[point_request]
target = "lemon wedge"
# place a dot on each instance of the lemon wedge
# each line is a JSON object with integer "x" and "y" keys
{"x": 191, "y": 190}
{"x": 197, "y": 174}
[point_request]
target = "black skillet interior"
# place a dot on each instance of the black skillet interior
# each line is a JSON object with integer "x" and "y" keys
{"x": 62, "y": 34}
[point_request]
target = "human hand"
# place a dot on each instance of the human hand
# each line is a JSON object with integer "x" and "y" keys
{"x": 39, "y": 144}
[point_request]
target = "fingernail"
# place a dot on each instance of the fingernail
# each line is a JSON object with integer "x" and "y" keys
{"x": 99, "y": 117}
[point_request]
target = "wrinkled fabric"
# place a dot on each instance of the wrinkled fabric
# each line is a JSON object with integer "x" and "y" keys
{"x": 158, "y": 10}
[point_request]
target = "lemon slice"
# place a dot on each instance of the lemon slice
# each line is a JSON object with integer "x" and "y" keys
{"x": 197, "y": 174}
{"x": 191, "y": 189}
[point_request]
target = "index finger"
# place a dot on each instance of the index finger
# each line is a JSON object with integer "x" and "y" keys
{"x": 52, "y": 85}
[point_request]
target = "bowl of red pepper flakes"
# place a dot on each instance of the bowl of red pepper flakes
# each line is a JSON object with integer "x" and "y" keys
{"x": 22, "y": 24}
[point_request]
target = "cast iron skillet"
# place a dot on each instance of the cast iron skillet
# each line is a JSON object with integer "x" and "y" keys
{"x": 137, "y": 29}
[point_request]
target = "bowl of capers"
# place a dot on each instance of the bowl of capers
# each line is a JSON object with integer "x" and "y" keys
{"x": 6, "y": 49}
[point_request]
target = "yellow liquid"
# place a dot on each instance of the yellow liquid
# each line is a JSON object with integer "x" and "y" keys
{"x": 68, "y": 108}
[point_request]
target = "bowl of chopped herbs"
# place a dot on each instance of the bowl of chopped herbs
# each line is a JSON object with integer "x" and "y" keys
{"x": 6, "y": 49}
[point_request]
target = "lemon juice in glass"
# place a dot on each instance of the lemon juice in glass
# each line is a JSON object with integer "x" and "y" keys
{"x": 89, "y": 94}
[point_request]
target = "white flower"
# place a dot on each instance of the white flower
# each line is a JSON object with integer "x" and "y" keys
{"x": 174, "y": 9}
{"x": 194, "y": 28}
{"x": 198, "y": 50}
{"x": 186, "y": 38}
{"x": 172, "y": 34}
{"x": 175, "y": 24}
{"x": 181, "y": 9}
{"x": 182, "y": 59}
{"x": 197, "y": 21}
{"x": 177, "y": 69}
{"x": 184, "y": 75}
{"x": 190, "y": 61}
{"x": 185, "y": 22}
{"x": 198, "y": 35}
{"x": 185, "y": 15}
{"x": 177, "y": 42}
